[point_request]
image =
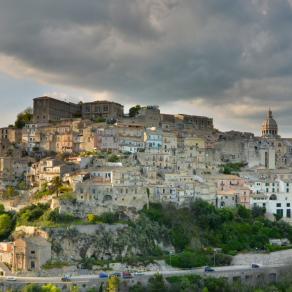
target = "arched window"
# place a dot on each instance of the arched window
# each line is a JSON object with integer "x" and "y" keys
{"x": 273, "y": 197}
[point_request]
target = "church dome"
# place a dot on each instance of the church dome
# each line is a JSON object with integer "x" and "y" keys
{"x": 269, "y": 126}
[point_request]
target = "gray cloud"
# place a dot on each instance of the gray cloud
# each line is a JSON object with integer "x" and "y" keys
{"x": 157, "y": 50}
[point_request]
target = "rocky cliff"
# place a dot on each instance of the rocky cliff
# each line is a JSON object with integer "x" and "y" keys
{"x": 109, "y": 242}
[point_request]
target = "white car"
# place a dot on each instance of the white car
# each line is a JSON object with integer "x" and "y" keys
{"x": 137, "y": 274}
{"x": 11, "y": 279}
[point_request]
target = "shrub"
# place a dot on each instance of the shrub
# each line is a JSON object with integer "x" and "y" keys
{"x": 113, "y": 158}
{"x": 91, "y": 218}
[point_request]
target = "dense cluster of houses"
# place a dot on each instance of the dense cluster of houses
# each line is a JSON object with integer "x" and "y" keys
{"x": 113, "y": 161}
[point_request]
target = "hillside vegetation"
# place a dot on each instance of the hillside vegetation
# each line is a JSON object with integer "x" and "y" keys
{"x": 196, "y": 231}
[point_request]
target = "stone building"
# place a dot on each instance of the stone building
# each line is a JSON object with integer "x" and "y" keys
{"x": 31, "y": 137}
{"x": 30, "y": 253}
{"x": 47, "y": 109}
{"x": 131, "y": 137}
{"x": 195, "y": 122}
{"x": 102, "y": 109}
{"x": 6, "y": 253}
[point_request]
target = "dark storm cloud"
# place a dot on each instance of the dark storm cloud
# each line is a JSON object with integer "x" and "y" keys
{"x": 156, "y": 50}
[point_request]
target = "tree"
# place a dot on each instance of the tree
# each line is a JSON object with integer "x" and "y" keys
{"x": 113, "y": 284}
{"x": 50, "y": 288}
{"x": 10, "y": 192}
{"x": 137, "y": 288}
{"x": 32, "y": 288}
{"x": 2, "y": 209}
{"x": 113, "y": 158}
{"x": 156, "y": 283}
{"x": 6, "y": 225}
{"x": 134, "y": 110}
{"x": 23, "y": 118}
{"x": 100, "y": 120}
{"x": 91, "y": 218}
{"x": 258, "y": 212}
{"x": 56, "y": 184}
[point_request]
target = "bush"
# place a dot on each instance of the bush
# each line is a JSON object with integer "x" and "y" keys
{"x": 10, "y": 192}
{"x": 30, "y": 214}
{"x": 54, "y": 265}
{"x": 109, "y": 217}
{"x": 91, "y": 218}
{"x": 188, "y": 259}
{"x": 6, "y": 225}
{"x": 113, "y": 158}
{"x": 230, "y": 168}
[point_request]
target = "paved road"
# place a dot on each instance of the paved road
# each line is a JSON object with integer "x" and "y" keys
{"x": 89, "y": 278}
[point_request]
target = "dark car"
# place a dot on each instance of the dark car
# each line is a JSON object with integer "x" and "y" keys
{"x": 209, "y": 269}
{"x": 116, "y": 274}
{"x": 103, "y": 275}
{"x": 66, "y": 279}
{"x": 255, "y": 266}
{"x": 127, "y": 275}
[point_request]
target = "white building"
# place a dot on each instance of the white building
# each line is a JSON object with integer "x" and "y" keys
{"x": 275, "y": 196}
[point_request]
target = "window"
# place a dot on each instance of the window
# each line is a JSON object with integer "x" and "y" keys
{"x": 32, "y": 252}
{"x": 280, "y": 212}
{"x": 278, "y": 204}
{"x": 32, "y": 265}
{"x": 288, "y": 204}
{"x": 288, "y": 213}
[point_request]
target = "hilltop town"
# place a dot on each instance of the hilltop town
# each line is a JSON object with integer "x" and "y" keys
{"x": 71, "y": 170}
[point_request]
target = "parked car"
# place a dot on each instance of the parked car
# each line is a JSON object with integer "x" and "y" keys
{"x": 255, "y": 266}
{"x": 137, "y": 274}
{"x": 127, "y": 275}
{"x": 11, "y": 279}
{"x": 103, "y": 275}
{"x": 209, "y": 269}
{"x": 116, "y": 274}
{"x": 66, "y": 278}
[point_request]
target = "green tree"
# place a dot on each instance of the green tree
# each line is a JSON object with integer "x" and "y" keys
{"x": 100, "y": 120}
{"x": 2, "y": 209}
{"x": 32, "y": 288}
{"x": 6, "y": 225}
{"x": 113, "y": 158}
{"x": 91, "y": 218}
{"x": 50, "y": 288}
{"x": 157, "y": 284}
{"x": 137, "y": 288}
{"x": 134, "y": 110}
{"x": 10, "y": 192}
{"x": 23, "y": 118}
{"x": 258, "y": 212}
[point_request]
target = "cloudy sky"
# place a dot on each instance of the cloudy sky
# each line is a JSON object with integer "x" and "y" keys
{"x": 229, "y": 59}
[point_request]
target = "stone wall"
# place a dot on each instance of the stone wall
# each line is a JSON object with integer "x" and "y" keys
{"x": 276, "y": 258}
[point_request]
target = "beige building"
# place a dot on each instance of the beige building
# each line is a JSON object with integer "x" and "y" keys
{"x": 131, "y": 137}
{"x": 30, "y": 253}
{"x": 6, "y": 253}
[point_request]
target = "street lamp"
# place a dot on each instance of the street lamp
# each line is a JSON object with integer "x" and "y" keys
{"x": 171, "y": 252}
{"x": 216, "y": 250}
